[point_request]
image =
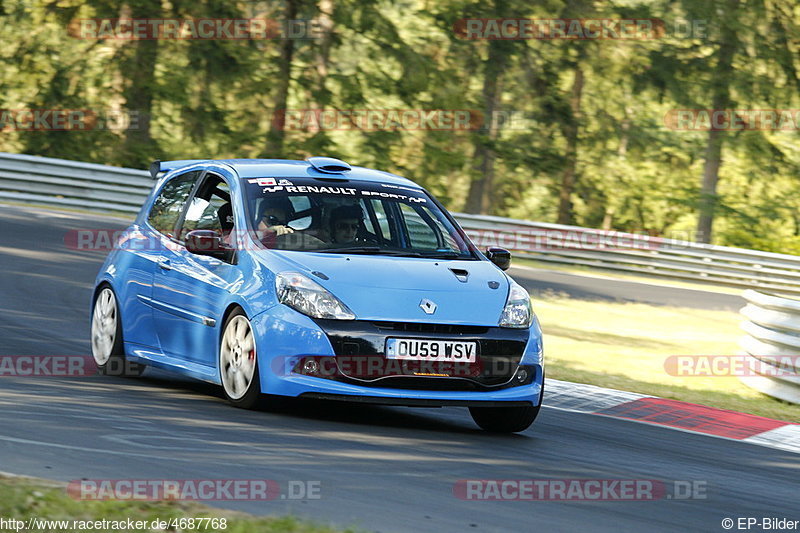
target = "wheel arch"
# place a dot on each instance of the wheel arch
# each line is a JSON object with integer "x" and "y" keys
{"x": 229, "y": 310}
{"x": 100, "y": 285}
{"x": 233, "y": 306}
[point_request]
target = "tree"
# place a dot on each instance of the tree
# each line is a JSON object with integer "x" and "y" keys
{"x": 275, "y": 136}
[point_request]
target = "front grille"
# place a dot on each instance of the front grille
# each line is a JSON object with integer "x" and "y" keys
{"x": 359, "y": 349}
{"x": 416, "y": 327}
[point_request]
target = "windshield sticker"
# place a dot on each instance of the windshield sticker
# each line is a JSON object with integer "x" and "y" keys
{"x": 285, "y": 186}
{"x": 294, "y": 189}
{"x": 263, "y": 182}
{"x": 390, "y": 186}
{"x": 394, "y": 196}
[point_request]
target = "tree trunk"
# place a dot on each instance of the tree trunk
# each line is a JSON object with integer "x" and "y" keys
{"x": 274, "y": 145}
{"x": 479, "y": 199}
{"x": 720, "y": 99}
{"x": 324, "y": 51}
{"x": 319, "y": 96}
{"x": 622, "y": 150}
{"x": 708, "y": 191}
{"x": 566, "y": 214}
{"x": 139, "y": 148}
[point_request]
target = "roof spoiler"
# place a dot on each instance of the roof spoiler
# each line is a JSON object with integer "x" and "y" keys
{"x": 157, "y": 167}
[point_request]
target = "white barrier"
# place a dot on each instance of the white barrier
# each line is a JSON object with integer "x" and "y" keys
{"x": 772, "y": 342}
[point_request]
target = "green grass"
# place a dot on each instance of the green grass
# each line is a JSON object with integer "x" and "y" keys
{"x": 624, "y": 346}
{"x": 25, "y": 498}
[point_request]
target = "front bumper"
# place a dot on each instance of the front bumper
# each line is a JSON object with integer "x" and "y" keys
{"x": 286, "y": 339}
{"x": 412, "y": 402}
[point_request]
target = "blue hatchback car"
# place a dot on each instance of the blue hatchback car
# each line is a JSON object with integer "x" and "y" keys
{"x": 316, "y": 279}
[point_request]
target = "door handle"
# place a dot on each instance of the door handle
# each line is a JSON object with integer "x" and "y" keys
{"x": 164, "y": 264}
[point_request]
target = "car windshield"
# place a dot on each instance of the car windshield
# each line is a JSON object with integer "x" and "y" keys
{"x": 342, "y": 216}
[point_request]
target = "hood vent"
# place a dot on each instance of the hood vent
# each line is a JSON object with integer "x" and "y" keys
{"x": 320, "y": 275}
{"x": 460, "y": 274}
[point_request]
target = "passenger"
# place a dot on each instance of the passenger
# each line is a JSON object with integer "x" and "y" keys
{"x": 346, "y": 223}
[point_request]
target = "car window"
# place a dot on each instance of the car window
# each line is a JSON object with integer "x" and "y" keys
{"x": 420, "y": 234}
{"x": 379, "y": 207}
{"x": 170, "y": 202}
{"x": 365, "y": 217}
{"x": 204, "y": 211}
{"x": 426, "y": 230}
{"x": 301, "y": 204}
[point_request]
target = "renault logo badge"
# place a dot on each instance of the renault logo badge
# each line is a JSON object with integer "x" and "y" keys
{"x": 428, "y": 306}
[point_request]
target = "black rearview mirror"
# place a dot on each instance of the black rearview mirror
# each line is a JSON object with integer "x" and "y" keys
{"x": 208, "y": 242}
{"x": 500, "y": 257}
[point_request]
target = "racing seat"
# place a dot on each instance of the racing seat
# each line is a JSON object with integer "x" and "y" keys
{"x": 225, "y": 216}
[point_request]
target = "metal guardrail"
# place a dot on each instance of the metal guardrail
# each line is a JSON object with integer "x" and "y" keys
{"x": 642, "y": 254}
{"x": 772, "y": 344}
{"x": 58, "y": 182}
{"x": 62, "y": 183}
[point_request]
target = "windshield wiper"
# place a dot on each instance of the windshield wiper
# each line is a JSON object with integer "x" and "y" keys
{"x": 351, "y": 250}
{"x": 368, "y": 250}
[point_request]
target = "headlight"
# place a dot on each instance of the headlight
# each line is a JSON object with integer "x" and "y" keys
{"x": 310, "y": 298}
{"x": 517, "y": 312}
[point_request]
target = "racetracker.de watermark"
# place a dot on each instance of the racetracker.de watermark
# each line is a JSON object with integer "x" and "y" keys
{"x": 539, "y": 239}
{"x": 194, "y": 489}
{"x": 733, "y": 119}
{"x": 452, "y": 360}
{"x": 575, "y": 29}
{"x": 732, "y": 365}
{"x": 148, "y": 29}
{"x": 62, "y": 366}
{"x": 47, "y": 366}
{"x": 577, "y": 490}
{"x": 106, "y": 240}
{"x": 378, "y": 119}
{"x": 522, "y": 239}
{"x": 400, "y": 119}
{"x": 69, "y": 120}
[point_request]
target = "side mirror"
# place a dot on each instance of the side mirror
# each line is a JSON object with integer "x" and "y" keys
{"x": 207, "y": 242}
{"x": 500, "y": 257}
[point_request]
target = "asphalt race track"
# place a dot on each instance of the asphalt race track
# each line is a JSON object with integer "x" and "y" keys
{"x": 383, "y": 469}
{"x": 606, "y": 289}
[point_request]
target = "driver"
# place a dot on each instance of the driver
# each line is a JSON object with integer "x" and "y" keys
{"x": 274, "y": 222}
{"x": 345, "y": 222}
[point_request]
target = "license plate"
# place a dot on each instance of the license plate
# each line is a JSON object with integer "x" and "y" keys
{"x": 432, "y": 350}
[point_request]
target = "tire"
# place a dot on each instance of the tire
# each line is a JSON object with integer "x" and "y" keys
{"x": 506, "y": 419}
{"x": 237, "y": 362}
{"x": 107, "y": 343}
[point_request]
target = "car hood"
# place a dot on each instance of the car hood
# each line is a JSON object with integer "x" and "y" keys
{"x": 393, "y": 288}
